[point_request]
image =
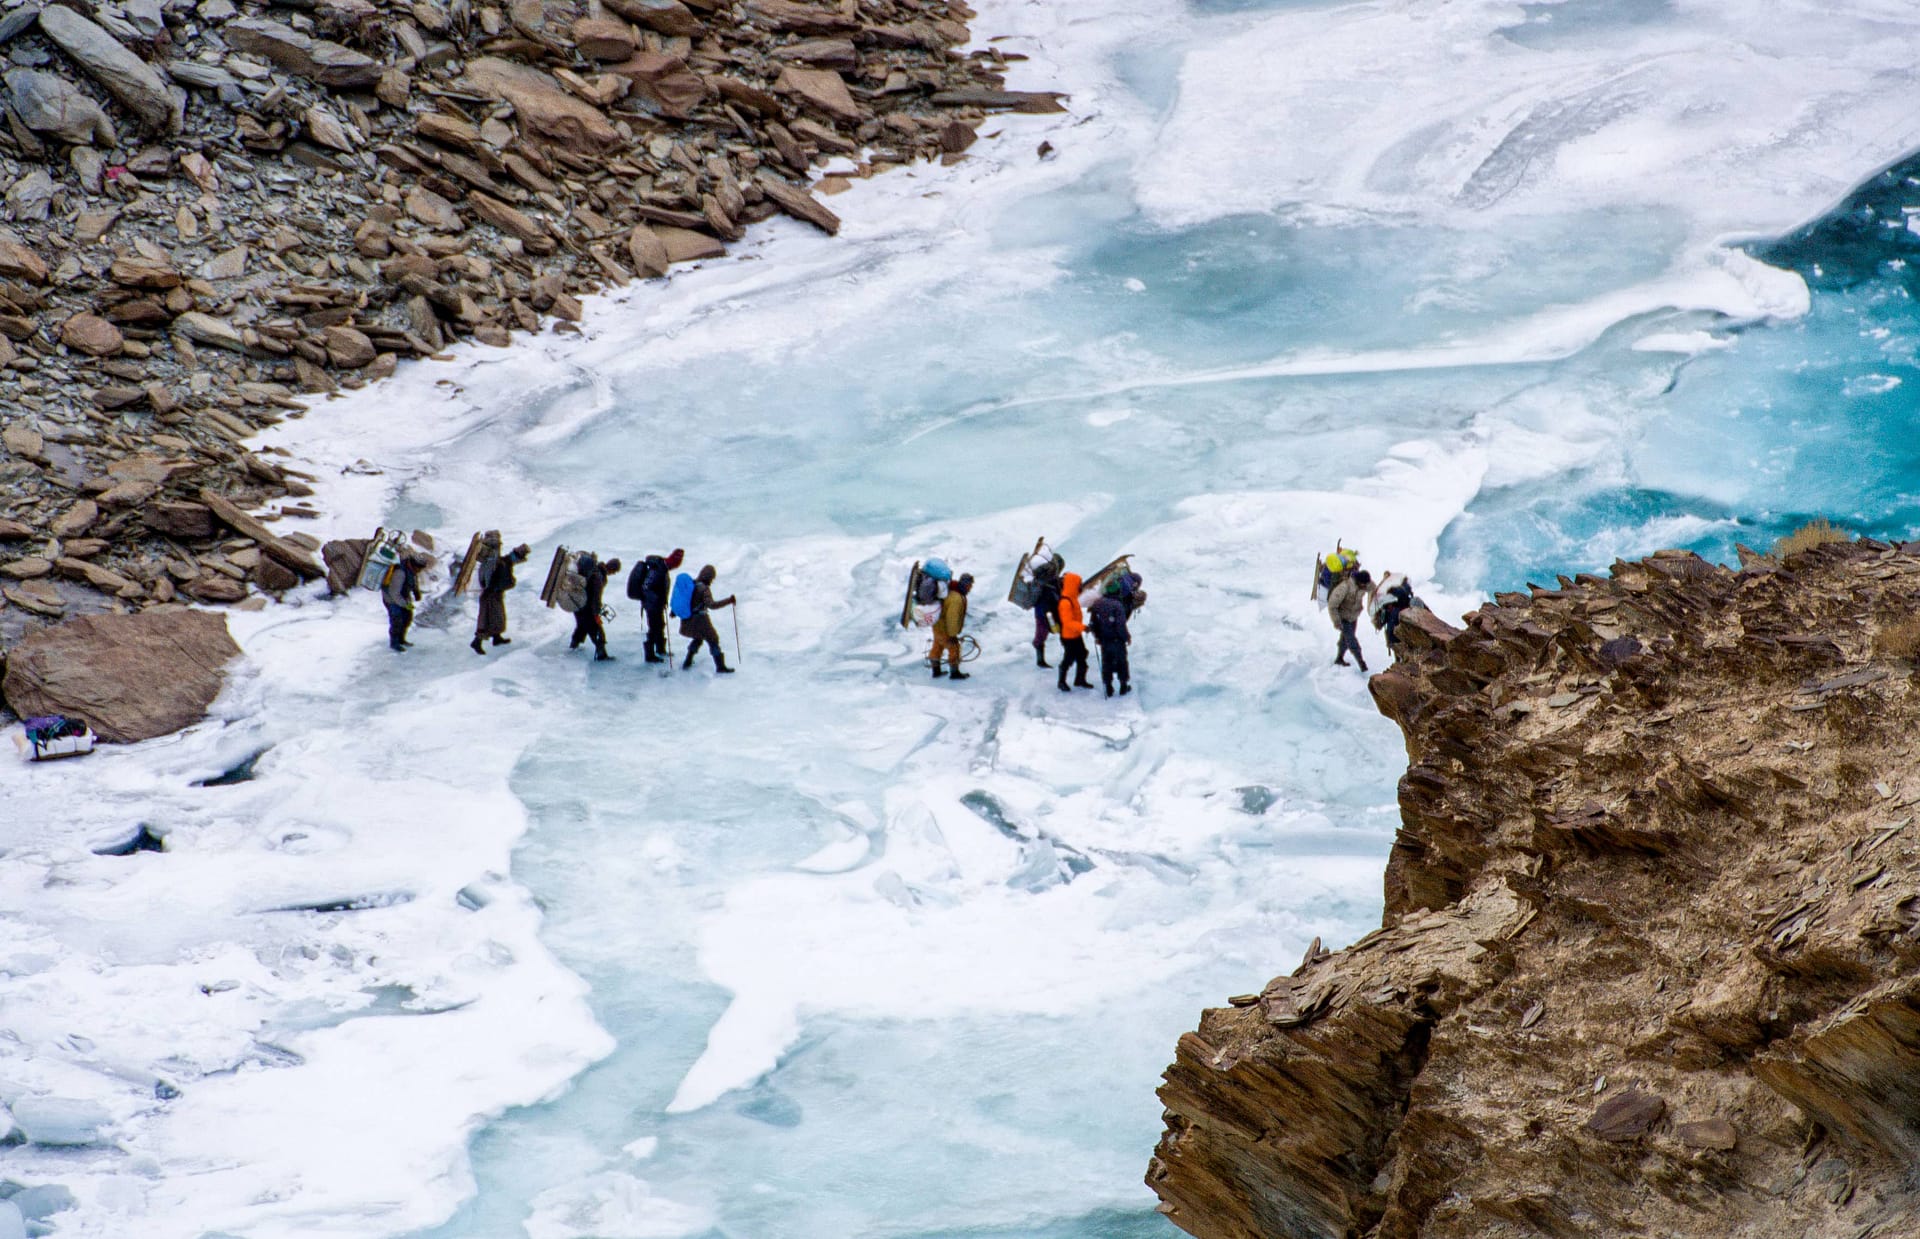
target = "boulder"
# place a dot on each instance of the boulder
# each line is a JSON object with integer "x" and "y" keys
{"x": 131, "y": 677}
{"x": 821, "y": 89}
{"x": 669, "y": 17}
{"x": 208, "y": 330}
{"x": 686, "y": 245}
{"x": 542, "y": 105}
{"x": 48, "y": 104}
{"x": 600, "y": 38}
{"x": 92, "y": 335}
{"x": 800, "y": 204}
{"x": 344, "y": 557}
{"x": 19, "y": 262}
{"x": 122, "y": 74}
{"x": 179, "y": 519}
{"x": 648, "y": 252}
{"x": 318, "y": 60}
{"x": 663, "y": 82}
{"x": 348, "y": 348}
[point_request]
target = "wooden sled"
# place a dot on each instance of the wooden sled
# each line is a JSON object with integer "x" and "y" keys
{"x": 913, "y": 589}
{"x": 549, "y": 592}
{"x": 1094, "y": 583}
{"x": 54, "y": 750}
{"x": 463, "y": 576}
{"x": 1020, "y": 592}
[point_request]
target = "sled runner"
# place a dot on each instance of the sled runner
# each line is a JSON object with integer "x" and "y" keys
{"x": 1095, "y": 583}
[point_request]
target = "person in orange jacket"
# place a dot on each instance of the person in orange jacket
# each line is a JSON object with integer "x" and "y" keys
{"x": 1073, "y": 633}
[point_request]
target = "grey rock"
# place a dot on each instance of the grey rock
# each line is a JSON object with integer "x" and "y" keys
{"x": 46, "y": 103}
{"x": 124, "y": 75}
{"x": 31, "y": 195}
{"x": 146, "y": 16}
{"x": 329, "y": 64}
{"x": 205, "y": 77}
{"x": 17, "y": 21}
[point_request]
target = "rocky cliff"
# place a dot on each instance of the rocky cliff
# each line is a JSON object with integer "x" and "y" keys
{"x": 1652, "y": 919}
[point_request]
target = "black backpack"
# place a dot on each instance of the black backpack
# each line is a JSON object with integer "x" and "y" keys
{"x": 637, "y": 580}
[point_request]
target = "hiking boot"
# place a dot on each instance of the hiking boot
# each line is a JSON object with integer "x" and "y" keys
{"x": 1109, "y": 690}
{"x": 1125, "y": 689}
{"x": 602, "y": 656}
{"x": 1039, "y": 656}
{"x": 723, "y": 669}
{"x": 1363, "y": 666}
{"x": 957, "y": 674}
{"x": 1341, "y": 661}
{"x": 654, "y": 658}
{"x": 1082, "y": 682}
{"x": 396, "y": 647}
{"x": 476, "y": 647}
{"x": 688, "y": 664}
{"x": 1064, "y": 687}
{"x": 938, "y": 671}
{"x": 503, "y": 640}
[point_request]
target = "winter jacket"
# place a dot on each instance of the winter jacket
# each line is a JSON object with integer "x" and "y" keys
{"x": 953, "y": 614}
{"x": 403, "y": 586}
{"x": 1346, "y": 602}
{"x": 501, "y": 579}
{"x": 596, "y": 590}
{"x": 1073, "y": 621}
{"x": 1108, "y": 619}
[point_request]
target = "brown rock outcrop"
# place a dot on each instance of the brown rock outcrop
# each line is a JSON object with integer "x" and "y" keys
{"x": 131, "y": 677}
{"x": 1652, "y": 928}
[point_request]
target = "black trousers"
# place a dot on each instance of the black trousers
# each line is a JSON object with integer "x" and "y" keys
{"x": 656, "y": 629}
{"x": 1350, "y": 641}
{"x": 587, "y": 627}
{"x": 399, "y": 620}
{"x": 1073, "y": 654}
{"x": 699, "y": 630}
{"x": 1113, "y": 663}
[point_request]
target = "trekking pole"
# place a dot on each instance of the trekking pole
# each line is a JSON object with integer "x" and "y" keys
{"x": 737, "y": 660}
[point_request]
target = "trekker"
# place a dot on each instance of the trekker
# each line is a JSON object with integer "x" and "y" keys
{"x": 494, "y": 587}
{"x": 1397, "y": 599}
{"x": 1344, "y": 607}
{"x": 1046, "y": 607}
{"x": 652, "y": 586}
{"x": 947, "y": 630}
{"x": 698, "y": 626}
{"x": 401, "y": 591}
{"x": 1108, "y": 619}
{"x": 1073, "y": 634}
{"x": 587, "y": 625}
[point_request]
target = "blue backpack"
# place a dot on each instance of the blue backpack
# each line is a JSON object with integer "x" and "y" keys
{"x": 682, "y": 602}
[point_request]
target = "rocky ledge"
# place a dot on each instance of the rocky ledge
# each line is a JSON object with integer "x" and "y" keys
{"x": 1652, "y": 920}
{"x": 216, "y": 211}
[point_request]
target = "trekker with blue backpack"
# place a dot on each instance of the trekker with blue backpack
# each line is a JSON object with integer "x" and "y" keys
{"x": 691, "y": 601}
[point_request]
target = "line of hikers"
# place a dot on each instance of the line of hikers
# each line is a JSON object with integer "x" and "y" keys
{"x": 578, "y": 583}
{"x": 586, "y": 575}
{"x": 1350, "y": 591}
{"x": 1043, "y": 585}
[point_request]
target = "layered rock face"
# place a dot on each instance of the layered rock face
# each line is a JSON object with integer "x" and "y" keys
{"x": 1652, "y": 921}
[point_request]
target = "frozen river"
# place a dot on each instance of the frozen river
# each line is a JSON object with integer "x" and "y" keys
{"x": 529, "y": 946}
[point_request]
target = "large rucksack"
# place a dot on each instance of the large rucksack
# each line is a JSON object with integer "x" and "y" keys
{"x": 682, "y": 602}
{"x": 572, "y": 592}
{"x": 637, "y": 580}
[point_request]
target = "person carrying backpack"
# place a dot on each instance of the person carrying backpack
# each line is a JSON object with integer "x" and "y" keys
{"x": 587, "y": 625}
{"x": 698, "y": 626}
{"x": 400, "y": 592}
{"x": 1344, "y": 607}
{"x": 650, "y": 584}
{"x": 495, "y": 583}
{"x": 1396, "y": 600}
{"x": 1108, "y": 619}
{"x": 1073, "y": 634}
{"x": 1046, "y": 607}
{"x": 947, "y": 630}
